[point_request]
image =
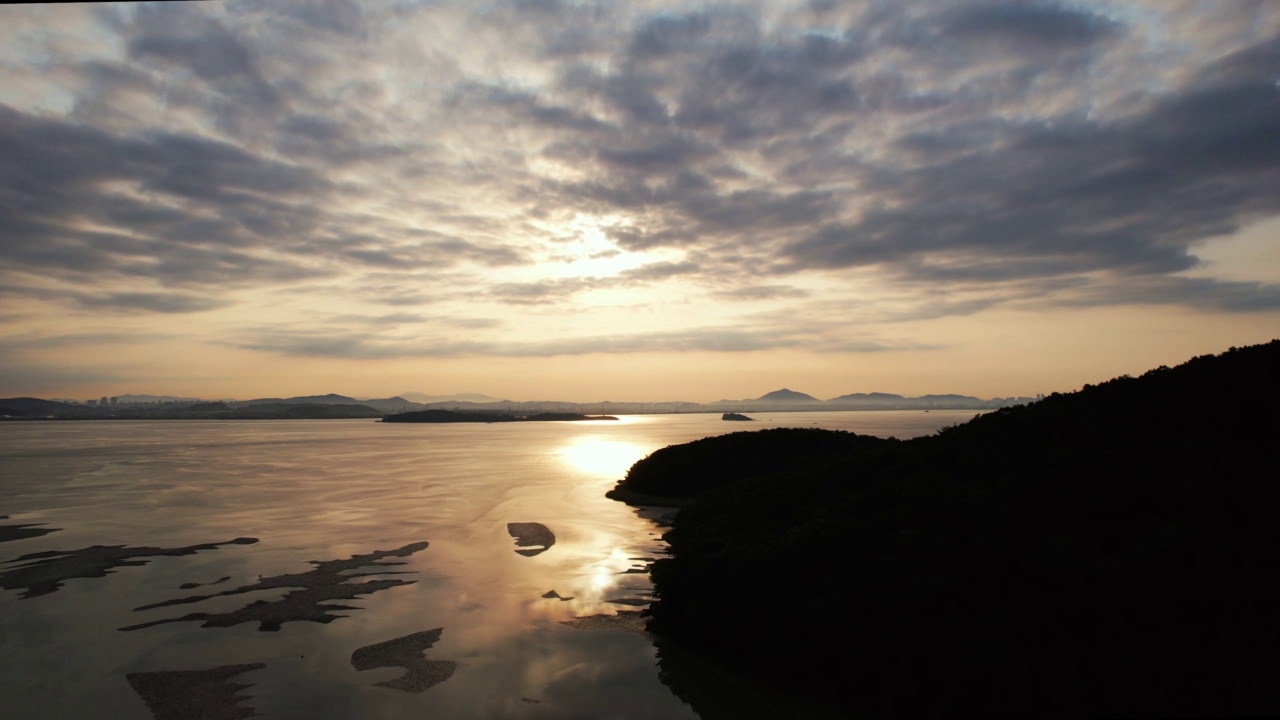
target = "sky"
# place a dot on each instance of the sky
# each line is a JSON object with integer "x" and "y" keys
{"x": 587, "y": 201}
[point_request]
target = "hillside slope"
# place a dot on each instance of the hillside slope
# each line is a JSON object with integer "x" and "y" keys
{"x": 1103, "y": 552}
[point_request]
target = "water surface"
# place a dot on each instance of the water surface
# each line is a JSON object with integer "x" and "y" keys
{"x": 340, "y": 568}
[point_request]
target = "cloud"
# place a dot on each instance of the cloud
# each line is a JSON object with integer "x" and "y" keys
{"x": 340, "y": 17}
{"x": 405, "y": 318}
{"x": 108, "y": 336}
{"x": 762, "y": 292}
{"x": 470, "y": 323}
{"x": 169, "y": 302}
{"x": 1220, "y": 295}
{"x": 661, "y": 270}
{"x": 371, "y": 345}
{"x": 184, "y": 38}
{"x": 185, "y": 205}
{"x": 377, "y": 320}
{"x": 1072, "y": 195}
{"x": 1034, "y": 27}
{"x": 372, "y": 252}
{"x": 542, "y": 292}
{"x": 186, "y": 210}
{"x": 153, "y": 302}
{"x": 429, "y": 157}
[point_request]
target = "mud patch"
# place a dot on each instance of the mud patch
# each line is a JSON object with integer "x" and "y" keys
{"x": 45, "y": 572}
{"x": 194, "y": 585}
{"x": 194, "y": 694}
{"x": 323, "y": 584}
{"x": 22, "y": 532}
{"x": 636, "y": 602}
{"x": 534, "y": 537}
{"x": 624, "y": 620}
{"x": 406, "y": 652}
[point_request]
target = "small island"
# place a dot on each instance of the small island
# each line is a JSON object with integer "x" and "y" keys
{"x": 736, "y": 416}
{"x": 461, "y": 416}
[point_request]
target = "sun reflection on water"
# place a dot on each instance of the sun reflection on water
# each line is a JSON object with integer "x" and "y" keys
{"x": 607, "y": 573}
{"x": 593, "y": 455}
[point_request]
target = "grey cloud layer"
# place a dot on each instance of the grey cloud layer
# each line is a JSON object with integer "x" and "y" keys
{"x": 966, "y": 144}
{"x": 371, "y": 345}
{"x": 946, "y": 145}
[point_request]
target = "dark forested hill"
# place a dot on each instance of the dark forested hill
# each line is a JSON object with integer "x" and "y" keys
{"x": 29, "y": 406}
{"x": 1102, "y": 552}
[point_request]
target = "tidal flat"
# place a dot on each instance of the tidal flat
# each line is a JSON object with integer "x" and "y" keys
{"x": 343, "y": 568}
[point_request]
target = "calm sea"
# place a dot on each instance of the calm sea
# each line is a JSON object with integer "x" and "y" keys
{"x": 380, "y": 551}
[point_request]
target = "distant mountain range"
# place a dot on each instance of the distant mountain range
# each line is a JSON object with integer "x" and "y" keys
{"x": 787, "y": 399}
{"x": 333, "y": 405}
{"x": 392, "y": 404}
{"x": 875, "y": 397}
{"x": 456, "y": 397}
{"x": 264, "y": 409}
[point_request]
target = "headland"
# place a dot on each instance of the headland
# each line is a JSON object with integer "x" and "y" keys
{"x": 1100, "y": 553}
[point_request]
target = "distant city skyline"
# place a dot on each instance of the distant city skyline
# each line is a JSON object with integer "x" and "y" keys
{"x": 642, "y": 201}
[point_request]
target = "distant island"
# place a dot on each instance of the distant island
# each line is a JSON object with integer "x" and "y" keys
{"x": 267, "y": 409}
{"x": 334, "y": 406}
{"x": 452, "y": 416}
{"x": 737, "y": 417}
{"x": 1101, "y": 553}
{"x": 787, "y": 395}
